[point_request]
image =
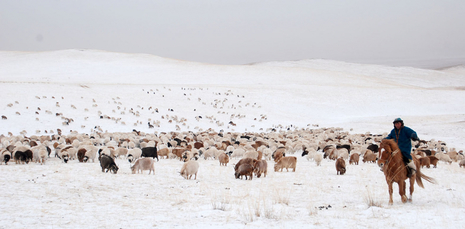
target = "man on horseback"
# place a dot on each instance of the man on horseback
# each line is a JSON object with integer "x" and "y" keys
{"x": 403, "y": 136}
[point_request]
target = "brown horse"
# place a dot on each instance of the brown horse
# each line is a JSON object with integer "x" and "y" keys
{"x": 395, "y": 170}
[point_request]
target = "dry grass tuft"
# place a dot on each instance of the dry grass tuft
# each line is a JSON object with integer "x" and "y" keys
{"x": 370, "y": 201}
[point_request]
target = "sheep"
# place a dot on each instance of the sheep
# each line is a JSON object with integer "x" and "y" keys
{"x": 286, "y": 162}
{"x": 163, "y": 152}
{"x": 249, "y": 161}
{"x": 443, "y": 157}
{"x": 433, "y": 160}
{"x": 343, "y": 152}
{"x": 134, "y": 154}
{"x": 121, "y": 152}
{"x": 150, "y": 152}
{"x": 42, "y": 155}
{"x": 279, "y": 153}
{"x": 4, "y": 117}
{"x": 425, "y": 161}
{"x": 22, "y": 154}
{"x": 91, "y": 153}
{"x": 453, "y": 155}
{"x": 260, "y": 167}
{"x": 251, "y": 154}
{"x": 5, "y": 156}
{"x": 178, "y": 152}
{"x": 354, "y": 158}
{"x": 238, "y": 152}
{"x": 340, "y": 166}
{"x": 369, "y": 157}
{"x": 187, "y": 155}
{"x": 142, "y": 164}
{"x": 267, "y": 153}
{"x": 318, "y": 158}
{"x": 462, "y": 163}
{"x": 211, "y": 153}
{"x": 224, "y": 159}
{"x": 81, "y": 153}
{"x": 244, "y": 170}
{"x": 108, "y": 164}
{"x": 65, "y": 153}
{"x": 189, "y": 168}
{"x": 35, "y": 151}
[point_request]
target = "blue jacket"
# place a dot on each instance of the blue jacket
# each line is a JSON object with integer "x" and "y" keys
{"x": 403, "y": 137}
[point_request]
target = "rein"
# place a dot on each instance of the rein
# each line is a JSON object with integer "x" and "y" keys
{"x": 389, "y": 160}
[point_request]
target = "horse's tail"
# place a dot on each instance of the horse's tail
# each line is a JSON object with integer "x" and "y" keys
{"x": 421, "y": 176}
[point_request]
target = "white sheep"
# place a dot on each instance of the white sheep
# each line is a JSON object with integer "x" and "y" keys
{"x": 211, "y": 153}
{"x": 238, "y": 152}
{"x": 251, "y": 154}
{"x": 91, "y": 152}
{"x": 43, "y": 153}
{"x": 443, "y": 157}
{"x": 190, "y": 168}
{"x": 318, "y": 157}
{"x": 134, "y": 154}
{"x": 121, "y": 152}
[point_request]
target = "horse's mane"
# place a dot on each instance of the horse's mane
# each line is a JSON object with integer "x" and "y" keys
{"x": 389, "y": 145}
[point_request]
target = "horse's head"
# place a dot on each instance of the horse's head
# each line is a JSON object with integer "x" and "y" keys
{"x": 384, "y": 151}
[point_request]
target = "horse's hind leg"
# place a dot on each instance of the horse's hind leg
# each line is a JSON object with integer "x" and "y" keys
{"x": 402, "y": 191}
{"x": 412, "y": 182}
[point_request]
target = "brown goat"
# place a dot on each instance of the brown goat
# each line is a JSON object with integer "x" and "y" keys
{"x": 425, "y": 161}
{"x": 286, "y": 162}
{"x": 260, "y": 167}
{"x": 224, "y": 159}
{"x": 369, "y": 157}
{"x": 249, "y": 161}
{"x": 354, "y": 158}
{"x": 340, "y": 166}
{"x": 244, "y": 170}
{"x": 81, "y": 154}
{"x": 279, "y": 153}
{"x": 433, "y": 160}
{"x": 163, "y": 152}
{"x": 178, "y": 152}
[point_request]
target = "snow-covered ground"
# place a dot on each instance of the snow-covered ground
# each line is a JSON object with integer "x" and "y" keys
{"x": 120, "y": 92}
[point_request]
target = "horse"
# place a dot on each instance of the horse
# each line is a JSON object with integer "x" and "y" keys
{"x": 391, "y": 163}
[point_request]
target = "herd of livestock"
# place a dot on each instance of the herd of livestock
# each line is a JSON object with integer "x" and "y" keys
{"x": 255, "y": 150}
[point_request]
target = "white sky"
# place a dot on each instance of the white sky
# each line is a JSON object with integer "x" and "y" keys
{"x": 415, "y": 33}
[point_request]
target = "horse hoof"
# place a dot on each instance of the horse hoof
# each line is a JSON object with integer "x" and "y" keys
{"x": 404, "y": 199}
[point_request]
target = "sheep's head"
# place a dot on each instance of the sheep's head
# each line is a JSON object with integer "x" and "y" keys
{"x": 65, "y": 158}
{"x": 114, "y": 169}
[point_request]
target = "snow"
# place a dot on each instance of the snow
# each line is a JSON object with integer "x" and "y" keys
{"x": 281, "y": 95}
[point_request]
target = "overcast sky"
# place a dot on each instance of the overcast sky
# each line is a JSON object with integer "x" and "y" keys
{"x": 417, "y": 33}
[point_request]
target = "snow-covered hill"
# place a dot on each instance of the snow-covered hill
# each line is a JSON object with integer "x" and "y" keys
{"x": 118, "y": 92}
{"x": 365, "y": 98}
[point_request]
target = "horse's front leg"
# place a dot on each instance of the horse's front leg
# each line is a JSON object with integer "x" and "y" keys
{"x": 412, "y": 182}
{"x": 402, "y": 191}
{"x": 390, "y": 193}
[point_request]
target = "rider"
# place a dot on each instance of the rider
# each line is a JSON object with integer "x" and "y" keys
{"x": 403, "y": 136}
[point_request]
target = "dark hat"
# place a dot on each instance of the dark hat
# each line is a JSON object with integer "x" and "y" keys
{"x": 398, "y": 120}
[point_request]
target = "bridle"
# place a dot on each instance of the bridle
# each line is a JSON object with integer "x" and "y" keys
{"x": 389, "y": 158}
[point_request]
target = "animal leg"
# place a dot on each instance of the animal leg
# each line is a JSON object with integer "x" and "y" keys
{"x": 390, "y": 193}
{"x": 402, "y": 191}
{"x": 411, "y": 188}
